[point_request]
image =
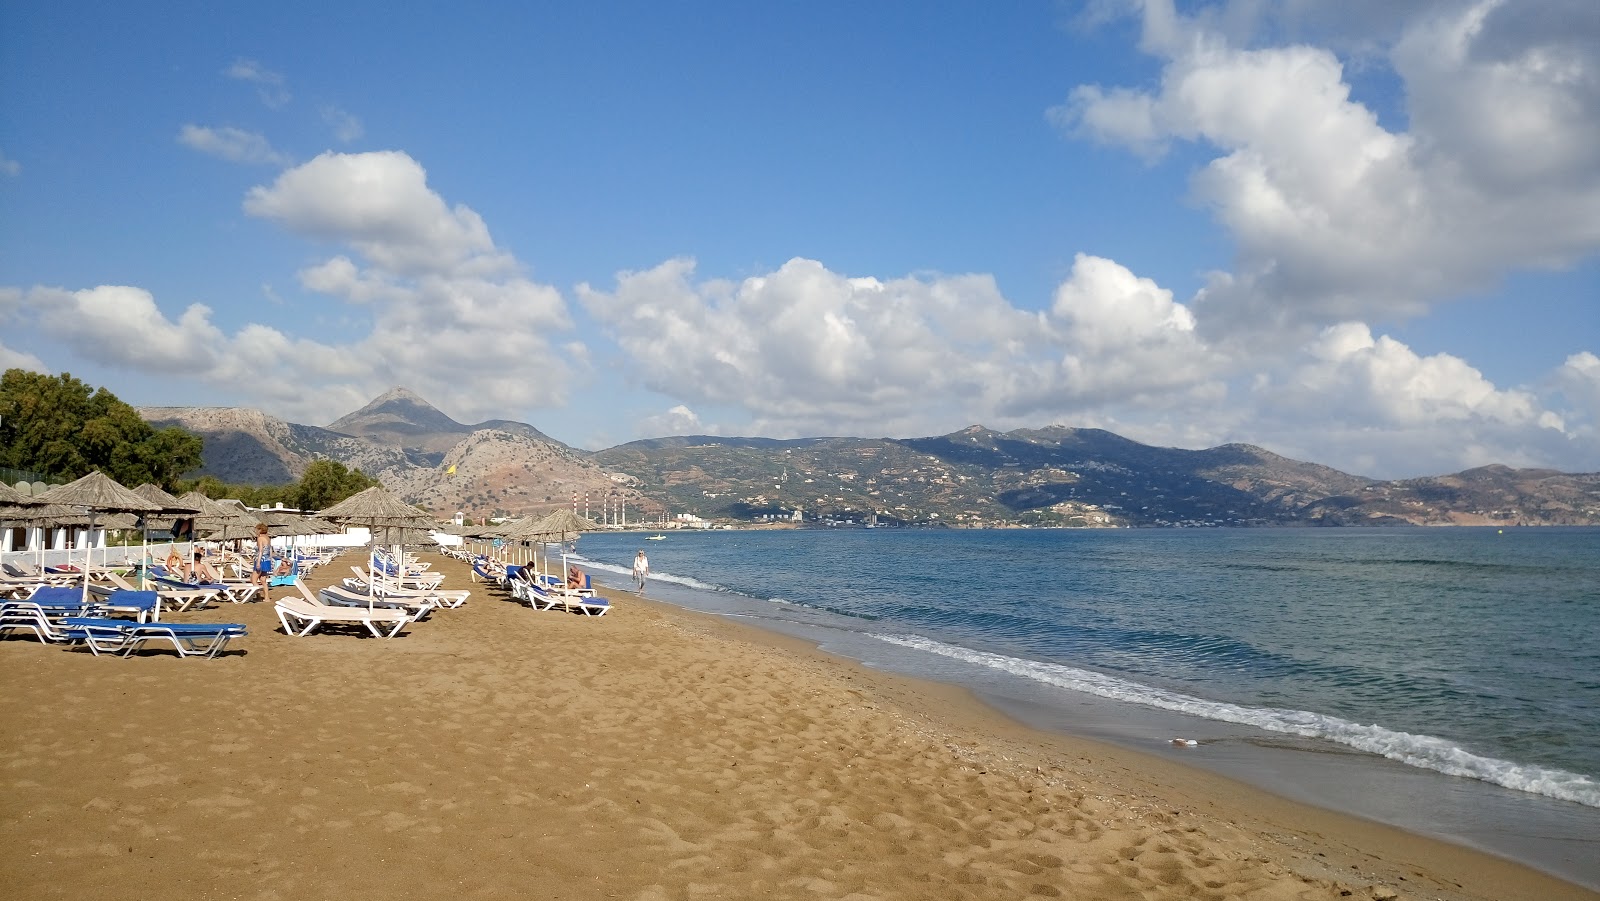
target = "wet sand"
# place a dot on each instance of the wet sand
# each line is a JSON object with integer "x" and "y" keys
{"x": 654, "y": 753}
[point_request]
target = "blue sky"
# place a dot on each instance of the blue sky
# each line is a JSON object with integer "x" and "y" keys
{"x": 1363, "y": 234}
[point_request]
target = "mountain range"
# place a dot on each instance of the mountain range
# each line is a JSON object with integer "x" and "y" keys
{"x": 498, "y": 467}
{"x": 974, "y": 477}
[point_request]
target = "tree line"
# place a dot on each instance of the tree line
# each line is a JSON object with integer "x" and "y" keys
{"x": 63, "y": 429}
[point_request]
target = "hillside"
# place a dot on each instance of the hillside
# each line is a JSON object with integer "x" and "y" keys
{"x": 1075, "y": 477}
{"x": 499, "y": 467}
{"x": 975, "y": 477}
{"x": 400, "y": 418}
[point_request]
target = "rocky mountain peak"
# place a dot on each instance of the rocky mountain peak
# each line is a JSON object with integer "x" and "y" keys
{"x": 400, "y": 417}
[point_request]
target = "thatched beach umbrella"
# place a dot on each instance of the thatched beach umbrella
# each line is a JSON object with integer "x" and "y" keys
{"x": 378, "y": 509}
{"x": 219, "y": 522}
{"x": 564, "y": 522}
{"x": 11, "y": 502}
{"x": 294, "y": 526}
{"x": 41, "y": 515}
{"x": 97, "y": 493}
{"x": 374, "y": 505}
{"x": 528, "y": 530}
{"x": 167, "y": 506}
{"x": 11, "y": 497}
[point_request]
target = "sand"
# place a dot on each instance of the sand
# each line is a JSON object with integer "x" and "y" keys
{"x": 654, "y": 753}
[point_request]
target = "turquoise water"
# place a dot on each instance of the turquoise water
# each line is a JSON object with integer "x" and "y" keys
{"x": 1466, "y": 653}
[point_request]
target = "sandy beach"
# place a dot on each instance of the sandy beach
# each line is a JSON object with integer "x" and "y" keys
{"x": 654, "y": 753}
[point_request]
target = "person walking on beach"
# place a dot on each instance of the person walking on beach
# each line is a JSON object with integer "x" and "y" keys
{"x": 261, "y": 572}
{"x": 641, "y": 570}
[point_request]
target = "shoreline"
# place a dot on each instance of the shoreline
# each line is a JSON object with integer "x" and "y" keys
{"x": 1295, "y": 827}
{"x": 652, "y": 753}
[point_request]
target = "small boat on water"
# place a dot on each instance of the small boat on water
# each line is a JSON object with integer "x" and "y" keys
{"x": 655, "y": 538}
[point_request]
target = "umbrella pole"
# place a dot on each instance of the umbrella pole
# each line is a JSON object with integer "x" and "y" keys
{"x": 88, "y": 552}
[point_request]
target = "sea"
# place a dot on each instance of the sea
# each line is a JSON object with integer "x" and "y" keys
{"x": 1443, "y": 680}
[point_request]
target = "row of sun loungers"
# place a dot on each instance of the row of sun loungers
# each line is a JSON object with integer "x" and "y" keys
{"x": 548, "y": 593}
{"x": 382, "y": 601}
{"x": 42, "y": 616}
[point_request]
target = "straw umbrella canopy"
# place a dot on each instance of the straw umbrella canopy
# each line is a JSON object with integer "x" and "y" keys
{"x": 215, "y": 516}
{"x": 28, "y": 510}
{"x": 563, "y": 522}
{"x": 374, "y": 505}
{"x": 168, "y": 505}
{"x": 220, "y": 522}
{"x": 165, "y": 502}
{"x": 235, "y": 526}
{"x": 293, "y": 526}
{"x": 11, "y": 497}
{"x": 379, "y": 509}
{"x": 205, "y": 505}
{"x": 40, "y": 515}
{"x": 523, "y": 531}
{"x": 97, "y": 493}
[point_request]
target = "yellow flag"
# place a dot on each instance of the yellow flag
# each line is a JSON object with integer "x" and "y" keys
{"x": 451, "y": 471}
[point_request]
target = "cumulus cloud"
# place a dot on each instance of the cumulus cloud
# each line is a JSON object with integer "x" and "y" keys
{"x": 810, "y": 351}
{"x": 380, "y": 203}
{"x": 1578, "y": 379}
{"x": 1377, "y": 405}
{"x": 271, "y": 87}
{"x": 11, "y": 310}
{"x": 680, "y": 420}
{"x": 232, "y": 144}
{"x": 1380, "y": 380}
{"x": 452, "y": 314}
{"x": 1337, "y": 218}
{"x": 122, "y": 325}
{"x": 807, "y": 351}
{"x": 426, "y": 298}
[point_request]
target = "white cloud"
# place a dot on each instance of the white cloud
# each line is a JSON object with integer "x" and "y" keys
{"x": 232, "y": 144}
{"x": 1578, "y": 380}
{"x": 380, "y": 203}
{"x": 679, "y": 420}
{"x": 11, "y": 310}
{"x": 9, "y": 166}
{"x": 1335, "y": 217}
{"x": 271, "y": 87}
{"x": 453, "y": 316}
{"x": 123, "y": 326}
{"x": 1383, "y": 381}
{"x": 808, "y": 351}
{"x": 17, "y": 359}
{"x": 346, "y": 127}
{"x": 456, "y": 321}
{"x": 1375, "y": 406}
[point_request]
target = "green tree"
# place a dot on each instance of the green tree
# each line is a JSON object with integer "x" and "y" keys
{"x": 327, "y": 482}
{"x": 61, "y": 427}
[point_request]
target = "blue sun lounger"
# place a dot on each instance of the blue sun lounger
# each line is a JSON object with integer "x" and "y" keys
{"x": 575, "y": 603}
{"x": 118, "y": 636}
{"x": 61, "y": 600}
{"x": 144, "y": 605}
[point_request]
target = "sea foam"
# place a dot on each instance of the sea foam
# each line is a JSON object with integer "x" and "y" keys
{"x": 1423, "y": 751}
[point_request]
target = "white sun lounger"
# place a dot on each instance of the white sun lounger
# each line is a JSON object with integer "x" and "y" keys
{"x": 306, "y": 617}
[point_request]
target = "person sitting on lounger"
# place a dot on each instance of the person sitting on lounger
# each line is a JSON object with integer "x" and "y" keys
{"x": 202, "y": 570}
{"x": 575, "y": 579}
